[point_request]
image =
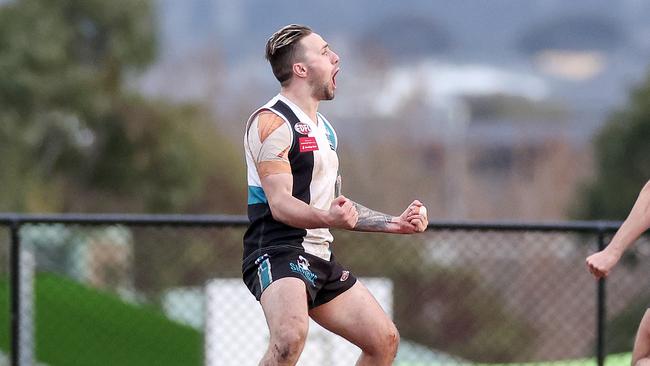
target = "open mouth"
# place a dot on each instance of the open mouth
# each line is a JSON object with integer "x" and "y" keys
{"x": 334, "y": 77}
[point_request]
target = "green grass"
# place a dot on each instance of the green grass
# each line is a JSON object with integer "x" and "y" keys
{"x": 77, "y": 325}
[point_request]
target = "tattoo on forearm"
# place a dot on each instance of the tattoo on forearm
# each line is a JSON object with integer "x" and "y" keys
{"x": 370, "y": 220}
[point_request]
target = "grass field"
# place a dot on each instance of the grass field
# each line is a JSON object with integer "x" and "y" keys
{"x": 77, "y": 325}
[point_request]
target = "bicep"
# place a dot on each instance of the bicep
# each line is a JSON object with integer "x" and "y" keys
{"x": 270, "y": 140}
{"x": 277, "y": 187}
{"x": 273, "y": 166}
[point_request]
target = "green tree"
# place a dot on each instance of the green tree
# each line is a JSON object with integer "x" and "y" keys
{"x": 76, "y": 136}
{"x": 622, "y": 156}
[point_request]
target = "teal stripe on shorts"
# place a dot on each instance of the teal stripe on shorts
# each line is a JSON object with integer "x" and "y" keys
{"x": 264, "y": 274}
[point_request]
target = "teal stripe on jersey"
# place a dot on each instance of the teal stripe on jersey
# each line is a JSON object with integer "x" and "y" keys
{"x": 256, "y": 195}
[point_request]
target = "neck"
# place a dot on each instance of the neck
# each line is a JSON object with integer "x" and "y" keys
{"x": 303, "y": 99}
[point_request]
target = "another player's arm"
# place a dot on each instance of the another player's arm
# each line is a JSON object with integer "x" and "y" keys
{"x": 634, "y": 225}
{"x": 412, "y": 220}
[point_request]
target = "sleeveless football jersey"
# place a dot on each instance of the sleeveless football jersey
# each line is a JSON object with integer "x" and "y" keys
{"x": 281, "y": 138}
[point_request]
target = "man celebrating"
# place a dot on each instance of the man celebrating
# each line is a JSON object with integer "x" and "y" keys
{"x": 294, "y": 199}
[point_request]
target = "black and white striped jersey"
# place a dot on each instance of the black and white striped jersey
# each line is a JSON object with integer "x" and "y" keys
{"x": 281, "y": 138}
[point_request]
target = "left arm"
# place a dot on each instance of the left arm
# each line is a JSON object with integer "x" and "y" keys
{"x": 413, "y": 220}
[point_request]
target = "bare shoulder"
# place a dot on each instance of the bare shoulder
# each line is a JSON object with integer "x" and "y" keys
{"x": 267, "y": 122}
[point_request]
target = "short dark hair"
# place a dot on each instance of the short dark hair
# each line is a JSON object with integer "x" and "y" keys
{"x": 281, "y": 50}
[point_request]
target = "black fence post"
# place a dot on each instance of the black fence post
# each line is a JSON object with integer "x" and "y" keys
{"x": 600, "y": 314}
{"x": 14, "y": 292}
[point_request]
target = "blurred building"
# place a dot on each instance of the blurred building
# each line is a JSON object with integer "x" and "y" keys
{"x": 494, "y": 104}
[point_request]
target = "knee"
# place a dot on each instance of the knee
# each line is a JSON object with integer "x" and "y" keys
{"x": 642, "y": 362}
{"x": 392, "y": 340}
{"x": 289, "y": 342}
{"x": 385, "y": 343}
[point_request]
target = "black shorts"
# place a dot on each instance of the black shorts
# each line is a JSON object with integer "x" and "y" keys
{"x": 324, "y": 280}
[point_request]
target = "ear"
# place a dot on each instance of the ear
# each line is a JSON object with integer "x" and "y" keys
{"x": 300, "y": 70}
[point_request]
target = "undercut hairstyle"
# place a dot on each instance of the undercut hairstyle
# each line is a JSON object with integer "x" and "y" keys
{"x": 282, "y": 50}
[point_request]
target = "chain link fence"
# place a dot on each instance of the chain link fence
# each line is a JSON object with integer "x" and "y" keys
{"x": 155, "y": 293}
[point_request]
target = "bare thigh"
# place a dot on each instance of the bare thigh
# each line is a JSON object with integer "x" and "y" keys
{"x": 285, "y": 306}
{"x": 356, "y": 316}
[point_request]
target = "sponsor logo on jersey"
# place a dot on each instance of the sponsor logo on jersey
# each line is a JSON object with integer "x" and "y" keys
{"x": 302, "y": 267}
{"x": 302, "y": 128}
{"x": 307, "y": 144}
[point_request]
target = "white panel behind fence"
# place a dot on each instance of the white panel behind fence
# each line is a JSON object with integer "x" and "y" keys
{"x": 236, "y": 333}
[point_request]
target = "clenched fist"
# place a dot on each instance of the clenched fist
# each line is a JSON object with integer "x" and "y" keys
{"x": 342, "y": 213}
{"x": 414, "y": 219}
{"x": 601, "y": 263}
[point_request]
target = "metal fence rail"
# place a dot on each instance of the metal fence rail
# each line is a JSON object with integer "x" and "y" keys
{"x": 166, "y": 290}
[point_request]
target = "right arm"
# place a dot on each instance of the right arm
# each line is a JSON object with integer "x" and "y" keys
{"x": 294, "y": 212}
{"x": 269, "y": 141}
{"x": 637, "y": 222}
